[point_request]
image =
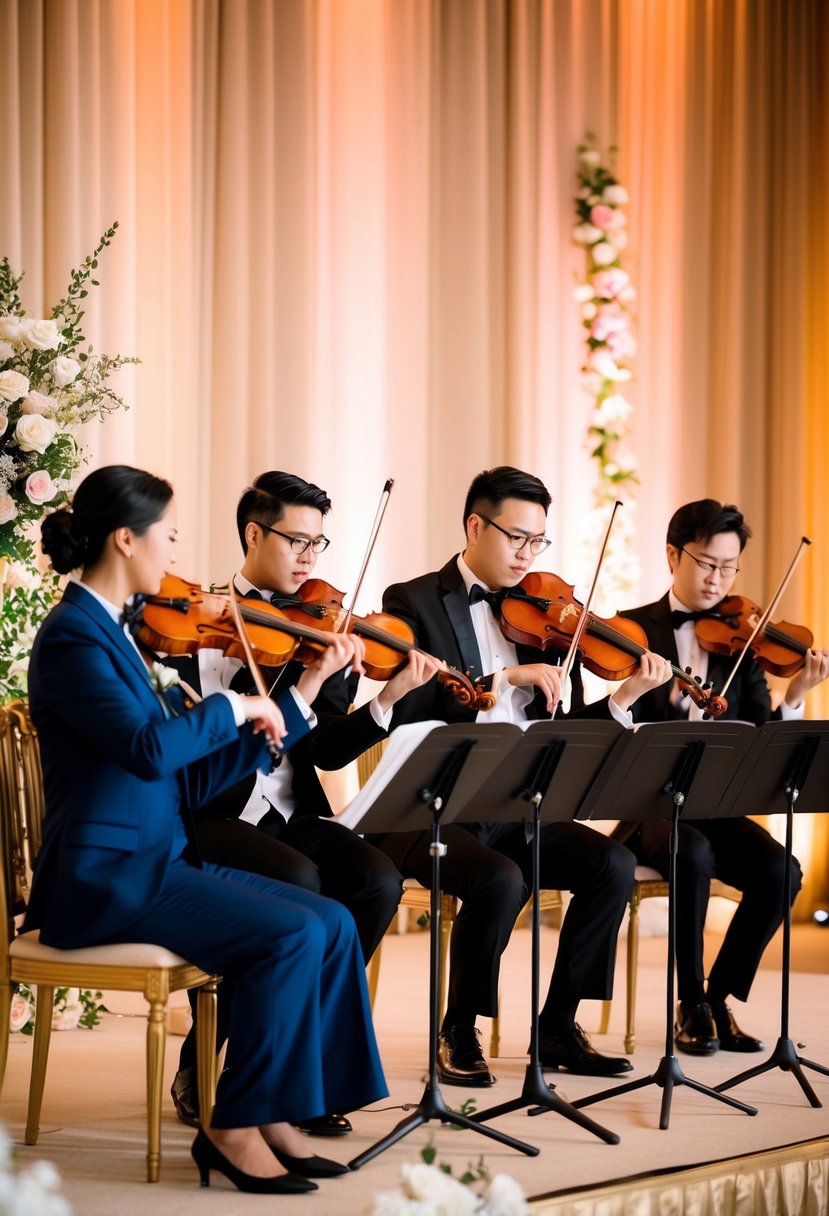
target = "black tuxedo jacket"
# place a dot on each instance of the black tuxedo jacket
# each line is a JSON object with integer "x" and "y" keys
{"x": 748, "y": 695}
{"x": 338, "y": 738}
{"x": 436, "y": 607}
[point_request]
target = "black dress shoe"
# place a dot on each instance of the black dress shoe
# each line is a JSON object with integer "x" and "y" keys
{"x": 207, "y": 1157}
{"x": 185, "y": 1095}
{"x": 325, "y": 1125}
{"x": 731, "y": 1037}
{"x": 695, "y": 1031}
{"x": 310, "y": 1167}
{"x": 460, "y": 1059}
{"x": 571, "y": 1049}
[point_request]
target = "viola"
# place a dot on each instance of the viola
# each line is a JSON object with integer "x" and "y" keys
{"x": 779, "y": 647}
{"x": 388, "y": 640}
{"x": 545, "y": 613}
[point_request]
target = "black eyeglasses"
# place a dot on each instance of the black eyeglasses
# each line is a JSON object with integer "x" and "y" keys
{"x": 517, "y": 540}
{"x": 299, "y": 544}
{"x": 710, "y": 567}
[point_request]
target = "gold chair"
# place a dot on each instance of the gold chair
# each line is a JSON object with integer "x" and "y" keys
{"x": 130, "y": 967}
{"x": 648, "y": 885}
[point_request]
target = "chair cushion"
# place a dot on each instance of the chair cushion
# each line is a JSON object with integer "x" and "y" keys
{"x": 118, "y": 954}
{"x": 647, "y": 874}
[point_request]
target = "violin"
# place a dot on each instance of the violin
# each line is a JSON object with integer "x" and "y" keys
{"x": 388, "y": 640}
{"x": 183, "y": 618}
{"x": 542, "y": 612}
{"x": 779, "y": 648}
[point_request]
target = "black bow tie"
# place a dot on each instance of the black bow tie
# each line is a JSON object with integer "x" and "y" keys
{"x": 493, "y": 598}
{"x": 132, "y": 618}
{"x": 678, "y": 618}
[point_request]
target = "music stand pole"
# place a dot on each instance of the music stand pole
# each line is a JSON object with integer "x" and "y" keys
{"x": 784, "y": 1055}
{"x": 535, "y": 1090}
{"x": 669, "y": 1075}
{"x": 432, "y": 1104}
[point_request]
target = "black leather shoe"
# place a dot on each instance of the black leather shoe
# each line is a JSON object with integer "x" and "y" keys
{"x": 310, "y": 1167}
{"x": 571, "y": 1049}
{"x": 731, "y": 1037}
{"x": 185, "y": 1095}
{"x": 207, "y": 1157}
{"x": 460, "y": 1059}
{"x": 325, "y": 1125}
{"x": 695, "y": 1030}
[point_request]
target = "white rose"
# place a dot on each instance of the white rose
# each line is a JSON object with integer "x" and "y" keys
{"x": 64, "y": 370}
{"x": 588, "y": 311}
{"x": 6, "y": 351}
{"x": 583, "y": 293}
{"x": 40, "y": 335}
{"x": 604, "y": 253}
{"x": 11, "y": 328}
{"x": 605, "y": 365}
{"x": 590, "y": 158}
{"x": 504, "y": 1197}
{"x": 34, "y": 433}
{"x": 587, "y": 234}
{"x": 38, "y": 403}
{"x": 21, "y": 1012}
{"x": 615, "y": 196}
{"x": 4, "y": 422}
{"x": 620, "y": 238}
{"x": 8, "y": 508}
{"x": 164, "y": 677}
{"x": 13, "y": 386}
{"x": 40, "y": 488}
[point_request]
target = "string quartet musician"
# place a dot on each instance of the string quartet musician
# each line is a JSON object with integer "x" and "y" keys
{"x": 279, "y": 823}
{"x": 122, "y": 763}
{"x": 704, "y": 542}
{"x": 454, "y": 614}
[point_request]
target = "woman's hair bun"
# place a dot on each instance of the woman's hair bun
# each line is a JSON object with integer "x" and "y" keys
{"x": 63, "y": 540}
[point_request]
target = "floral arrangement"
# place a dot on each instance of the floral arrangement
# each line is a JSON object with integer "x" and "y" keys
{"x": 605, "y": 295}
{"x": 427, "y": 1189}
{"x": 163, "y": 677}
{"x": 35, "y": 1190}
{"x": 51, "y": 383}
{"x": 72, "y": 1007}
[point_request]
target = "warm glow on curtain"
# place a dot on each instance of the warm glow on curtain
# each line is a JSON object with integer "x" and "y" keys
{"x": 345, "y": 250}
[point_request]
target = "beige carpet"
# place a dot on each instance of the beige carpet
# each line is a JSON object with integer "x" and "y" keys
{"x": 93, "y": 1125}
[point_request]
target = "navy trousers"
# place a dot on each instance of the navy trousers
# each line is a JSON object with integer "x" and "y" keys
{"x": 301, "y": 1039}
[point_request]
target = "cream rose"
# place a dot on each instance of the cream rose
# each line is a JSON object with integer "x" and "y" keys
{"x": 34, "y": 433}
{"x": 6, "y": 351}
{"x": 616, "y": 196}
{"x": 8, "y": 508}
{"x": 586, "y": 234}
{"x": 11, "y": 328}
{"x": 38, "y": 403}
{"x": 4, "y": 422}
{"x": 64, "y": 370}
{"x": 40, "y": 488}
{"x": 40, "y": 335}
{"x": 13, "y": 386}
{"x": 604, "y": 253}
{"x": 21, "y": 1012}
{"x": 590, "y": 158}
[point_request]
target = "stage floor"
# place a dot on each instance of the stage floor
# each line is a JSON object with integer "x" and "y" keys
{"x": 93, "y": 1119}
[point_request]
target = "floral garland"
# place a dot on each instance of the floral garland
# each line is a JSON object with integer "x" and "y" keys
{"x": 72, "y": 1007}
{"x": 51, "y": 383}
{"x": 430, "y": 1190}
{"x": 34, "y": 1190}
{"x": 605, "y": 294}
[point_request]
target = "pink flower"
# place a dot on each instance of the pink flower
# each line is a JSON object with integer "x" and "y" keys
{"x": 602, "y": 217}
{"x": 40, "y": 488}
{"x": 8, "y": 508}
{"x": 607, "y": 284}
{"x": 21, "y": 1012}
{"x": 622, "y": 346}
{"x": 609, "y": 321}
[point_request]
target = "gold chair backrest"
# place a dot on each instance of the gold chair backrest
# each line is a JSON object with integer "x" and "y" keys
{"x": 21, "y": 808}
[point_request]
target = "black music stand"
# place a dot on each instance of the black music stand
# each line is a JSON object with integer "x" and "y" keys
{"x": 664, "y": 769}
{"x": 443, "y": 773}
{"x": 544, "y": 778}
{"x": 790, "y": 762}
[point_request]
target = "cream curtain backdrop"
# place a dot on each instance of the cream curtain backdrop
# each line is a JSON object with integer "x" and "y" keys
{"x": 344, "y": 250}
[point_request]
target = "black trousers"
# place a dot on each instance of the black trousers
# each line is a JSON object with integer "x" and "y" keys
{"x": 489, "y": 867}
{"x": 742, "y": 854}
{"x": 319, "y": 855}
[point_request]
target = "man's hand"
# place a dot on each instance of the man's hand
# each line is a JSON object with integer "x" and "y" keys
{"x": 653, "y": 671}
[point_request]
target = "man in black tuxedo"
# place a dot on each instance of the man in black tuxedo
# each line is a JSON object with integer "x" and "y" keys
{"x": 704, "y": 543}
{"x": 280, "y": 824}
{"x": 454, "y": 614}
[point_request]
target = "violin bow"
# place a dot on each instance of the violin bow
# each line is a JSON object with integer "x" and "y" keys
{"x": 766, "y": 617}
{"x": 372, "y": 540}
{"x": 581, "y": 624}
{"x": 253, "y": 666}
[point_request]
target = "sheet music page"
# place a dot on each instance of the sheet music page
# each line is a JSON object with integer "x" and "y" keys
{"x": 402, "y": 742}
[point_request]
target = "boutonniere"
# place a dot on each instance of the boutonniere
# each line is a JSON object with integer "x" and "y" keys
{"x": 162, "y": 677}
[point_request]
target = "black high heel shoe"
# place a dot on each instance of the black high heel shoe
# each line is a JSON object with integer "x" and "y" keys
{"x": 207, "y": 1157}
{"x": 310, "y": 1167}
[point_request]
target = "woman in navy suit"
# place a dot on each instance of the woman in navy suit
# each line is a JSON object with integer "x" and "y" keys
{"x": 122, "y": 765}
